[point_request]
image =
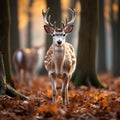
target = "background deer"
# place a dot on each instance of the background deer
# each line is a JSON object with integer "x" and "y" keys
{"x": 60, "y": 60}
{"x": 25, "y": 61}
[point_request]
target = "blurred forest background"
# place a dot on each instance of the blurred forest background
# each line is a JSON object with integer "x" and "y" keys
{"x": 95, "y": 38}
{"x": 27, "y": 29}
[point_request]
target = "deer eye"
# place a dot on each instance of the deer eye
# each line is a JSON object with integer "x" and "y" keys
{"x": 53, "y": 35}
{"x": 63, "y": 34}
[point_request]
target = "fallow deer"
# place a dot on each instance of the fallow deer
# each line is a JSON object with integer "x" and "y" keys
{"x": 60, "y": 59}
{"x": 25, "y": 60}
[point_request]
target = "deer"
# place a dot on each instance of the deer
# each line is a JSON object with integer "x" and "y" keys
{"x": 25, "y": 60}
{"x": 60, "y": 59}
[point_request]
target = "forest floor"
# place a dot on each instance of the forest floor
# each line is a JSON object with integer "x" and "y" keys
{"x": 85, "y": 103}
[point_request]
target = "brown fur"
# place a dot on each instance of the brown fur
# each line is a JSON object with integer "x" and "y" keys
{"x": 28, "y": 62}
{"x": 69, "y": 60}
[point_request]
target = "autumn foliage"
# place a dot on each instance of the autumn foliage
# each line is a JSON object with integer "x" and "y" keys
{"x": 85, "y": 103}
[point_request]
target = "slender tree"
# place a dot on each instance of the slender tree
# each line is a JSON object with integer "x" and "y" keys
{"x": 55, "y": 12}
{"x": 116, "y": 41}
{"x": 101, "y": 39}
{"x": 14, "y": 34}
{"x": 5, "y": 39}
{"x": 29, "y": 35}
{"x": 85, "y": 73}
{"x": 2, "y": 78}
{"x": 71, "y": 36}
{"x": 6, "y": 83}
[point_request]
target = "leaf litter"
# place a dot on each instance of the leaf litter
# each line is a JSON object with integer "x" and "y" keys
{"x": 85, "y": 103}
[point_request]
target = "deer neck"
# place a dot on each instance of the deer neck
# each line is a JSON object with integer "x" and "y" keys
{"x": 59, "y": 53}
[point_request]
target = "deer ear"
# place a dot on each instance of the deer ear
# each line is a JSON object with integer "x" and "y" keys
{"x": 68, "y": 29}
{"x": 48, "y": 29}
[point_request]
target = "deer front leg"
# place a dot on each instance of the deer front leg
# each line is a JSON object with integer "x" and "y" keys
{"x": 65, "y": 89}
{"x": 31, "y": 77}
{"x": 53, "y": 83}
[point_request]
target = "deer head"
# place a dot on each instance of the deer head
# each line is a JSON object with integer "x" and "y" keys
{"x": 59, "y": 34}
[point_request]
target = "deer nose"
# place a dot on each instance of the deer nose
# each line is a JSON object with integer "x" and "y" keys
{"x": 59, "y": 42}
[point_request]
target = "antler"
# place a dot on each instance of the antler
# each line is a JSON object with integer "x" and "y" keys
{"x": 46, "y": 18}
{"x": 72, "y": 20}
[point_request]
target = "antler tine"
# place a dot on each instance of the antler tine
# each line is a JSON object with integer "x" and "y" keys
{"x": 49, "y": 21}
{"x": 55, "y": 25}
{"x": 45, "y": 15}
{"x": 73, "y": 17}
{"x": 63, "y": 25}
{"x": 73, "y": 11}
{"x": 66, "y": 21}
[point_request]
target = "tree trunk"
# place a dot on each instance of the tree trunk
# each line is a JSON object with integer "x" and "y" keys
{"x": 6, "y": 89}
{"x": 85, "y": 73}
{"x": 29, "y": 35}
{"x": 55, "y": 12}
{"x": 2, "y": 77}
{"x": 116, "y": 44}
{"x": 6, "y": 83}
{"x": 101, "y": 40}
{"x": 5, "y": 38}
{"x": 71, "y": 36}
{"x": 72, "y": 4}
{"x": 14, "y": 29}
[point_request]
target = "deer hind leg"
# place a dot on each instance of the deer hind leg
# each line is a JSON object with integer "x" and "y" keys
{"x": 52, "y": 77}
{"x": 65, "y": 85}
{"x": 21, "y": 76}
{"x": 30, "y": 78}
